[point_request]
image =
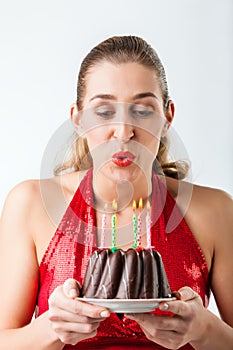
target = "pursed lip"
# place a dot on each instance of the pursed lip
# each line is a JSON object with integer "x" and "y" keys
{"x": 123, "y": 158}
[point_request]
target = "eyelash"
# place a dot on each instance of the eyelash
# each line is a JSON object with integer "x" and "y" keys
{"x": 105, "y": 114}
{"x": 142, "y": 113}
{"x": 136, "y": 113}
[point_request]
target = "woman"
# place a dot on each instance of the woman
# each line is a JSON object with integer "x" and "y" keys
{"x": 123, "y": 112}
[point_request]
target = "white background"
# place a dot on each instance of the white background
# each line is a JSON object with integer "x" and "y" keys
{"x": 43, "y": 42}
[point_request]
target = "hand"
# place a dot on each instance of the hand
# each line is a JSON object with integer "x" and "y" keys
{"x": 73, "y": 320}
{"x": 187, "y": 323}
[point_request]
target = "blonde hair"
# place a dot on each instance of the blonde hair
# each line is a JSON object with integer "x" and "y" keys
{"x": 122, "y": 49}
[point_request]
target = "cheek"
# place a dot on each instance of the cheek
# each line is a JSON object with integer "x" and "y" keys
{"x": 149, "y": 139}
{"x": 95, "y": 137}
{"x": 152, "y": 128}
{"x": 152, "y": 143}
{"x": 149, "y": 146}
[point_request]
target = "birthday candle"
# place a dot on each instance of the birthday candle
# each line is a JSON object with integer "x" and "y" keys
{"x": 135, "y": 228}
{"x": 140, "y": 205}
{"x": 114, "y": 223}
{"x": 148, "y": 219}
{"x": 103, "y": 227}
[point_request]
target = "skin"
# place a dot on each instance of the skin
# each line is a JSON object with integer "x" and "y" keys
{"x": 30, "y": 221}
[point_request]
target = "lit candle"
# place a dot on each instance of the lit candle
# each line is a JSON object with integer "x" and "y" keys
{"x": 103, "y": 227}
{"x": 148, "y": 219}
{"x": 114, "y": 223}
{"x": 135, "y": 226}
{"x": 140, "y": 205}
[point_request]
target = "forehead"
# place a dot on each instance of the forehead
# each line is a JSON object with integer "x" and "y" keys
{"x": 120, "y": 80}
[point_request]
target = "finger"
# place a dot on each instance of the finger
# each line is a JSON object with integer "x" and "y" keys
{"x": 182, "y": 308}
{"x": 167, "y": 339}
{"x": 57, "y": 300}
{"x": 178, "y": 307}
{"x": 159, "y": 333}
{"x": 71, "y": 288}
{"x": 84, "y": 328}
{"x": 58, "y": 315}
{"x": 154, "y": 323}
{"x": 73, "y": 338}
{"x": 187, "y": 293}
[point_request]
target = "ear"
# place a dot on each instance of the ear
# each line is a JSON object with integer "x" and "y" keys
{"x": 169, "y": 114}
{"x": 75, "y": 117}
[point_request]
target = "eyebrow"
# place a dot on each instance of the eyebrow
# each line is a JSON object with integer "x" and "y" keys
{"x": 145, "y": 94}
{"x": 136, "y": 97}
{"x": 103, "y": 97}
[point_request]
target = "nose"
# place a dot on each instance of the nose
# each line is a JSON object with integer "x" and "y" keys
{"x": 123, "y": 131}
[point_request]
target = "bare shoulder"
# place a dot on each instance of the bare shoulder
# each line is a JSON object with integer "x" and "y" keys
{"x": 21, "y": 197}
{"x": 204, "y": 200}
{"x": 216, "y": 206}
{"x": 213, "y": 196}
{"x": 31, "y": 198}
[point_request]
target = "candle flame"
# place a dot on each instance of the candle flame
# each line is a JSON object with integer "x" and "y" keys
{"x": 148, "y": 205}
{"x": 140, "y": 204}
{"x": 134, "y": 204}
{"x": 114, "y": 205}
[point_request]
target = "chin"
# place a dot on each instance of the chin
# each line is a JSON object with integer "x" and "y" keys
{"x": 120, "y": 174}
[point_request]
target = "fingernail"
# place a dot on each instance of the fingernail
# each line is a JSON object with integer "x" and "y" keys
{"x": 165, "y": 307}
{"x": 73, "y": 293}
{"x": 105, "y": 313}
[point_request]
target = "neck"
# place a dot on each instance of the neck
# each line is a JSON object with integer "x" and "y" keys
{"x": 124, "y": 192}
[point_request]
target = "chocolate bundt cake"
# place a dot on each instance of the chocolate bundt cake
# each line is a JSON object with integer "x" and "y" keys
{"x": 130, "y": 274}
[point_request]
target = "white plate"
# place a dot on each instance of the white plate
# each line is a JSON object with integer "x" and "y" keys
{"x": 127, "y": 305}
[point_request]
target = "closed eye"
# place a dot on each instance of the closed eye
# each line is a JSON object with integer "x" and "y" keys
{"x": 105, "y": 112}
{"x": 139, "y": 111}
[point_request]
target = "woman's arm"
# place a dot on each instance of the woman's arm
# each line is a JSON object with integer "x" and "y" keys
{"x": 36, "y": 335}
{"x": 222, "y": 265}
{"x": 19, "y": 276}
{"x": 68, "y": 320}
{"x": 192, "y": 323}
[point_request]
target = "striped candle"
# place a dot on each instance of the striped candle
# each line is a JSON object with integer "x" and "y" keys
{"x": 103, "y": 228}
{"x": 148, "y": 222}
{"x": 135, "y": 226}
{"x": 114, "y": 224}
{"x": 140, "y": 205}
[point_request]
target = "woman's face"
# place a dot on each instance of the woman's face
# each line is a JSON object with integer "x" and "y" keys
{"x": 123, "y": 119}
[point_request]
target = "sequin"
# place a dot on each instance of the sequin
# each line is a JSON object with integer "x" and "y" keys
{"x": 75, "y": 239}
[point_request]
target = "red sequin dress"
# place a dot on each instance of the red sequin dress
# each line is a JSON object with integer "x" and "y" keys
{"x": 75, "y": 239}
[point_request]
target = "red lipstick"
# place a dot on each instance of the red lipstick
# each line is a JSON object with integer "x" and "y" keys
{"x": 123, "y": 159}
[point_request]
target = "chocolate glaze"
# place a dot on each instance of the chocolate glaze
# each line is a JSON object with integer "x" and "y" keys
{"x": 130, "y": 282}
{"x": 164, "y": 288}
{"x": 110, "y": 279}
{"x": 150, "y": 280}
{"x": 127, "y": 274}
{"x": 94, "y": 272}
